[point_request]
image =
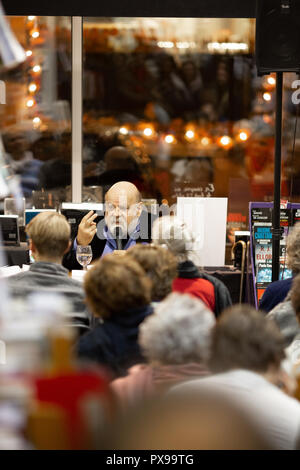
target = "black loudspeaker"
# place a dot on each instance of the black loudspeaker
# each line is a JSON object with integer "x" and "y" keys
{"x": 277, "y": 36}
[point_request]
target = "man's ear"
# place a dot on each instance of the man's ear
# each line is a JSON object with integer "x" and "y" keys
{"x": 68, "y": 247}
{"x": 32, "y": 247}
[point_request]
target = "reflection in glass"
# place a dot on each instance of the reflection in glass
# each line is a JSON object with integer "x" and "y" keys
{"x": 36, "y": 121}
{"x": 182, "y": 97}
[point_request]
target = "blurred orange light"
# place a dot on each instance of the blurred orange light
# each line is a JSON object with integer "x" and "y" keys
{"x": 30, "y": 18}
{"x": 123, "y": 130}
{"x": 190, "y": 134}
{"x": 148, "y": 131}
{"x": 271, "y": 81}
{"x": 169, "y": 139}
{"x": 205, "y": 140}
{"x": 36, "y": 68}
{"x": 36, "y": 121}
{"x": 226, "y": 141}
{"x": 267, "y": 96}
{"x": 35, "y": 34}
{"x": 30, "y": 103}
{"x": 243, "y": 136}
{"x": 28, "y": 53}
{"x": 32, "y": 87}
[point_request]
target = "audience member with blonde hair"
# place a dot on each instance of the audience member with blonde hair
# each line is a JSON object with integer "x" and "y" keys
{"x": 49, "y": 239}
{"x": 118, "y": 293}
{"x": 174, "y": 234}
{"x": 175, "y": 340}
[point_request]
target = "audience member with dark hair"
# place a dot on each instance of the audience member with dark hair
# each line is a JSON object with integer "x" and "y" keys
{"x": 160, "y": 266}
{"x": 118, "y": 293}
{"x": 176, "y": 343}
{"x": 246, "y": 355}
{"x": 176, "y": 236}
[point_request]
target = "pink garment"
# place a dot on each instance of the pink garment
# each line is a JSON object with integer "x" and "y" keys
{"x": 144, "y": 381}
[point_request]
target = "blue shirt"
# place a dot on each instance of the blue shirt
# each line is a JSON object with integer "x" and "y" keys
{"x": 111, "y": 243}
{"x": 275, "y": 293}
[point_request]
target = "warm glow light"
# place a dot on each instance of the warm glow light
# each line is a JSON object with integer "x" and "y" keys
{"x": 243, "y": 136}
{"x": 32, "y": 87}
{"x": 267, "y": 96}
{"x": 148, "y": 131}
{"x": 30, "y": 103}
{"x": 165, "y": 44}
{"x": 36, "y": 68}
{"x": 31, "y": 18}
{"x": 271, "y": 81}
{"x": 35, "y": 34}
{"x": 169, "y": 139}
{"x": 267, "y": 118}
{"x": 36, "y": 121}
{"x": 29, "y": 53}
{"x": 225, "y": 140}
{"x": 205, "y": 141}
{"x": 227, "y": 46}
{"x": 123, "y": 130}
{"x": 190, "y": 134}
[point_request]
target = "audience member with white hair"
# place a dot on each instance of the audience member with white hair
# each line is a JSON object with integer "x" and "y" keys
{"x": 171, "y": 232}
{"x": 175, "y": 340}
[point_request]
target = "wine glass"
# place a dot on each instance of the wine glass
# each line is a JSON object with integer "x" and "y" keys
{"x": 84, "y": 255}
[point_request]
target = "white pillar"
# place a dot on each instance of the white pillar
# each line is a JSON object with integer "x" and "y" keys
{"x": 76, "y": 109}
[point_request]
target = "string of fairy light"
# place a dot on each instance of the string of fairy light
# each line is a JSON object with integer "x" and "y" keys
{"x": 190, "y": 134}
{"x": 35, "y": 70}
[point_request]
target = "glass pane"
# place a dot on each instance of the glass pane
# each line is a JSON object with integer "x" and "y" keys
{"x": 36, "y": 119}
{"x": 184, "y": 99}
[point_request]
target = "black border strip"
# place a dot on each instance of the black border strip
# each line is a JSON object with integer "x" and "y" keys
{"x": 131, "y": 8}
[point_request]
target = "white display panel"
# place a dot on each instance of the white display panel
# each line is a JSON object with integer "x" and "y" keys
{"x": 206, "y": 217}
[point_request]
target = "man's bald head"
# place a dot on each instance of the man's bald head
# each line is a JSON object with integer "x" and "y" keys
{"x": 122, "y": 206}
{"x": 123, "y": 189}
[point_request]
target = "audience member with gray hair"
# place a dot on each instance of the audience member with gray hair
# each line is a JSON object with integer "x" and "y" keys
{"x": 277, "y": 291}
{"x": 175, "y": 340}
{"x": 171, "y": 232}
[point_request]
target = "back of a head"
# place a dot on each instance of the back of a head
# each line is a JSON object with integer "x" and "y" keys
{"x": 119, "y": 158}
{"x": 172, "y": 232}
{"x": 50, "y": 233}
{"x": 244, "y": 339}
{"x": 160, "y": 266}
{"x": 116, "y": 285}
{"x": 195, "y": 422}
{"x": 178, "y": 332}
{"x": 293, "y": 249}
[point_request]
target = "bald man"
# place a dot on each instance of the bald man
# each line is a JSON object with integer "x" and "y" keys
{"x": 121, "y": 228}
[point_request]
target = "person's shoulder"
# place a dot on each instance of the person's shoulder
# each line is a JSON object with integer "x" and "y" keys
{"x": 279, "y": 285}
{"x": 11, "y": 280}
